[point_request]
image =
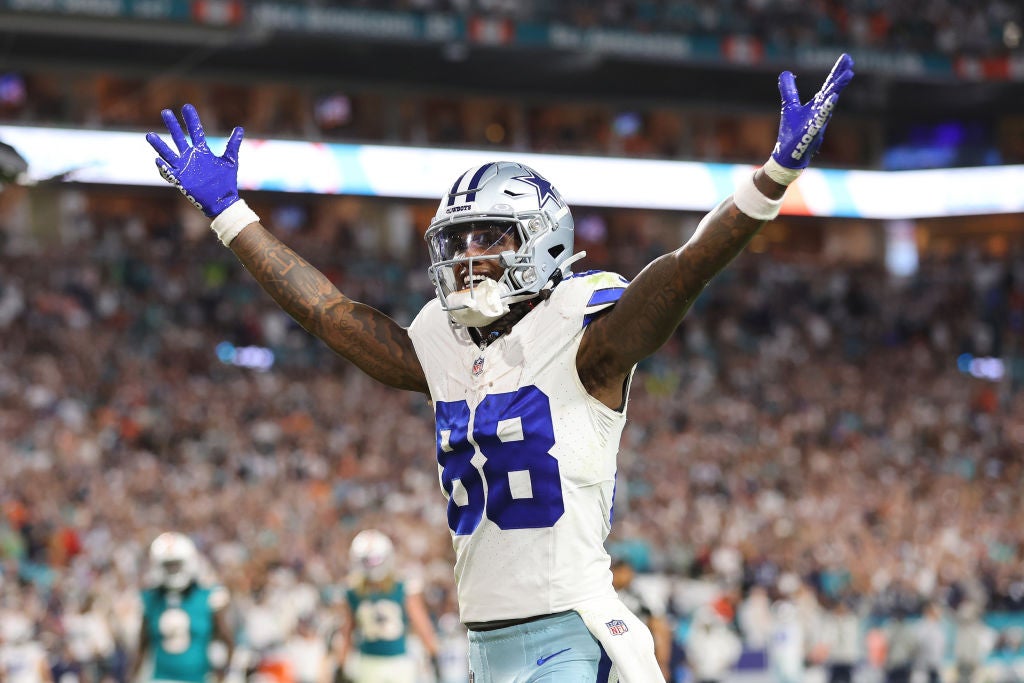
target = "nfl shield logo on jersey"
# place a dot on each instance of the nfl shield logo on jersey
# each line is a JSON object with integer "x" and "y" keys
{"x": 617, "y": 627}
{"x": 478, "y": 366}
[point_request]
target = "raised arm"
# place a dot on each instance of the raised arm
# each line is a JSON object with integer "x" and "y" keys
{"x": 372, "y": 341}
{"x": 657, "y": 299}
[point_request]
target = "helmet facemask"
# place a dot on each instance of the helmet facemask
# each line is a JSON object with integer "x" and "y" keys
{"x": 497, "y": 243}
{"x": 477, "y": 267}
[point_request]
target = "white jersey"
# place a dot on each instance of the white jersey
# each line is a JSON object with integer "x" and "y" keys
{"x": 23, "y": 662}
{"x": 526, "y": 457}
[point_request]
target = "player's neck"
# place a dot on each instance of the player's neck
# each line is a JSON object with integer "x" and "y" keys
{"x": 484, "y": 336}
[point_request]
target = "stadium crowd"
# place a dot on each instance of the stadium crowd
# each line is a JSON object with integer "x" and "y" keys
{"x": 807, "y": 435}
{"x": 809, "y": 448}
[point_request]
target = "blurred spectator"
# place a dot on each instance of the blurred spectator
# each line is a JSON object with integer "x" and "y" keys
{"x": 22, "y": 657}
{"x": 623, "y": 575}
{"x": 842, "y": 639}
{"x": 932, "y": 643}
{"x": 973, "y": 642}
{"x": 712, "y": 647}
{"x": 755, "y": 618}
{"x": 787, "y": 650}
{"x": 453, "y": 649}
{"x": 306, "y": 652}
{"x": 901, "y": 648}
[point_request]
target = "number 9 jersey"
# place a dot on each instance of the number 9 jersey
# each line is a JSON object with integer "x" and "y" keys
{"x": 526, "y": 457}
{"x": 181, "y": 628}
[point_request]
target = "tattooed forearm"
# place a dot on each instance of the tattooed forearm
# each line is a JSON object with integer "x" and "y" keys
{"x": 722, "y": 235}
{"x": 656, "y": 301}
{"x": 363, "y": 335}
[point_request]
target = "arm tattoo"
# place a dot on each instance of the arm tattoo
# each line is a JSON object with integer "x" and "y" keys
{"x": 360, "y": 333}
{"x": 658, "y": 298}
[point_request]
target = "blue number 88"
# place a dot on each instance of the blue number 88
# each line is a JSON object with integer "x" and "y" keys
{"x": 515, "y": 434}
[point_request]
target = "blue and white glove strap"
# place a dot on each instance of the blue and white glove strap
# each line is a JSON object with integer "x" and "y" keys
{"x": 750, "y": 201}
{"x": 781, "y": 174}
{"x": 232, "y": 220}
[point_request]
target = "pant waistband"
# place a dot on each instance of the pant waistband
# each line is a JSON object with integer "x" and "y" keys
{"x": 481, "y": 626}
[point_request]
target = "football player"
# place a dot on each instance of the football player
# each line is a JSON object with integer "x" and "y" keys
{"x": 180, "y": 617}
{"x": 381, "y": 608}
{"x": 528, "y": 368}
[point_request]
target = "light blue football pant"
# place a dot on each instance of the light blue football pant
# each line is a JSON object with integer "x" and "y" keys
{"x": 555, "y": 649}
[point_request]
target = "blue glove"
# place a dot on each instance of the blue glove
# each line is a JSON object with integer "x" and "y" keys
{"x": 802, "y": 126}
{"x": 209, "y": 181}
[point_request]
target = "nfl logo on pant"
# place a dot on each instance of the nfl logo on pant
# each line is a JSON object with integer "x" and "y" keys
{"x": 617, "y": 627}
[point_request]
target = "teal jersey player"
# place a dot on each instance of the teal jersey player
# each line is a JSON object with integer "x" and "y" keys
{"x": 180, "y": 618}
{"x": 381, "y": 611}
{"x": 380, "y": 618}
{"x": 179, "y": 628}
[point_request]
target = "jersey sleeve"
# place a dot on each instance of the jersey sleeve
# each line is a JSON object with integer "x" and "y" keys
{"x": 218, "y": 598}
{"x": 605, "y": 290}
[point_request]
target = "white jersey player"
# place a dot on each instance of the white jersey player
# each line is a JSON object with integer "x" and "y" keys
{"x": 528, "y": 370}
{"x": 526, "y": 457}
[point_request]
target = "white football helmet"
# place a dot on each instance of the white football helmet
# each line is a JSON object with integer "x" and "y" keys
{"x": 500, "y": 202}
{"x": 174, "y": 560}
{"x": 372, "y": 555}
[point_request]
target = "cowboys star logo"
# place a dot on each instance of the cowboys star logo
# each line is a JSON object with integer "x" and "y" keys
{"x": 543, "y": 187}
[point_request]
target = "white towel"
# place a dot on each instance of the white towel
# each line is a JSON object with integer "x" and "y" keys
{"x": 626, "y": 640}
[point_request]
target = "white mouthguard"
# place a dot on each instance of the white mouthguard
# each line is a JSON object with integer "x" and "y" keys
{"x": 479, "y": 305}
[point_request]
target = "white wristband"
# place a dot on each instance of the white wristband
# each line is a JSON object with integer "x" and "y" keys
{"x": 231, "y": 220}
{"x": 750, "y": 201}
{"x": 779, "y": 173}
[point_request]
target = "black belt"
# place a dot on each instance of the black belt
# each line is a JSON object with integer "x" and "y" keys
{"x": 505, "y": 623}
